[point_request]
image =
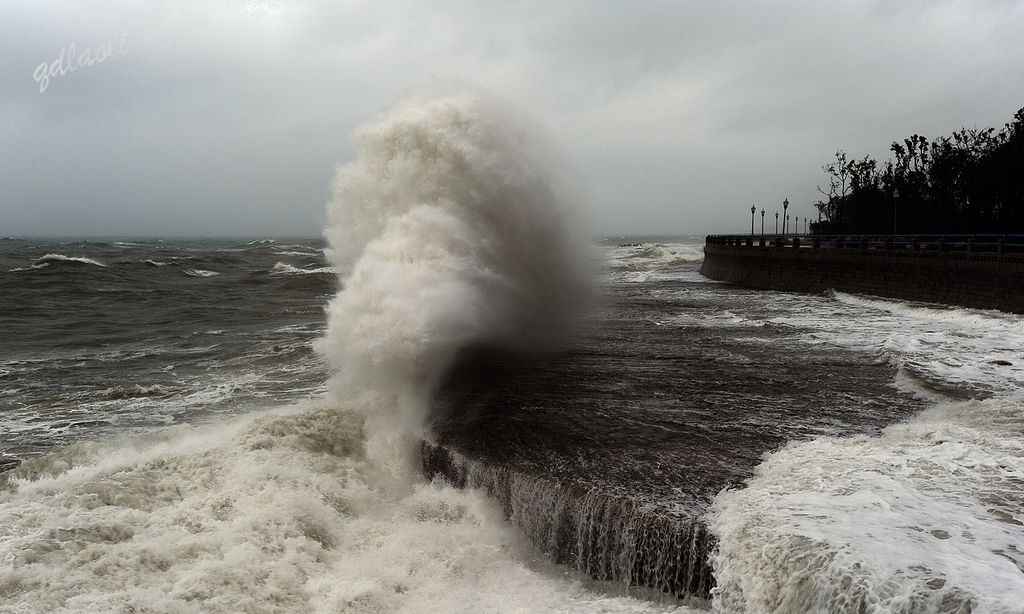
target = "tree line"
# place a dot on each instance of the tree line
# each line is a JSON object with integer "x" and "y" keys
{"x": 969, "y": 182}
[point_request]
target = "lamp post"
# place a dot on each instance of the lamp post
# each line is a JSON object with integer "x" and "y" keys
{"x": 785, "y": 216}
{"x": 895, "y": 201}
{"x": 797, "y": 225}
{"x": 805, "y": 225}
{"x": 776, "y": 222}
{"x": 752, "y": 210}
{"x": 762, "y": 222}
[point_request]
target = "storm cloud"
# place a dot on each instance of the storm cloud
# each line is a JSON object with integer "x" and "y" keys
{"x": 228, "y": 118}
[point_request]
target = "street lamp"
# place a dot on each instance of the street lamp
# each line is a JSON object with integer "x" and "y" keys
{"x": 797, "y": 225}
{"x": 805, "y": 225}
{"x": 785, "y": 218}
{"x": 776, "y": 222}
{"x": 895, "y": 201}
{"x": 752, "y": 210}
{"x": 762, "y": 222}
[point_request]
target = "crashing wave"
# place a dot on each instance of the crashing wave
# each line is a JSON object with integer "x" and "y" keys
{"x": 448, "y": 232}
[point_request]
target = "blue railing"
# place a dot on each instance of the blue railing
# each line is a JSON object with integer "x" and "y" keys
{"x": 998, "y": 245}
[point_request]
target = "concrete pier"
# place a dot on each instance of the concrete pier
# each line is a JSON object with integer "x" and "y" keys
{"x": 985, "y": 272}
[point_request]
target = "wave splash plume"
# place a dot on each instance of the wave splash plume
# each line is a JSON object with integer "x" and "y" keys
{"x": 448, "y": 232}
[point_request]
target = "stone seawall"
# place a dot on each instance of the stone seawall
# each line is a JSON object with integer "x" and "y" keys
{"x": 608, "y": 537}
{"x": 985, "y": 281}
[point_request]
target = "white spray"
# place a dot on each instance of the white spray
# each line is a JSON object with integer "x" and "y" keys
{"x": 447, "y": 232}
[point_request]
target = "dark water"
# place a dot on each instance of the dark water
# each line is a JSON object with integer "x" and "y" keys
{"x": 669, "y": 412}
{"x": 107, "y": 335}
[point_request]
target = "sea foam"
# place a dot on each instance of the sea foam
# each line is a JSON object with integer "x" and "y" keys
{"x": 925, "y": 518}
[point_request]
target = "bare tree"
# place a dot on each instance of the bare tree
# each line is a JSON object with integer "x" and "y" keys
{"x": 839, "y": 179}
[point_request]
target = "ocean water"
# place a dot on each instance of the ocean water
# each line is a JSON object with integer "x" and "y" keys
{"x": 234, "y": 425}
{"x": 108, "y": 337}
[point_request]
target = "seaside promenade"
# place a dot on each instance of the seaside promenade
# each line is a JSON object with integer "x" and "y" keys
{"x": 978, "y": 271}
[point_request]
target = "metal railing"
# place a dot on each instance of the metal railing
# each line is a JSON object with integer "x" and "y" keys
{"x": 924, "y": 244}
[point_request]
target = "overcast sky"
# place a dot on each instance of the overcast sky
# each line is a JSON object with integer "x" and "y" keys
{"x": 228, "y": 118}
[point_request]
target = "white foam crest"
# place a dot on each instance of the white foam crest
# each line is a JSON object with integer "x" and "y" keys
{"x": 927, "y": 517}
{"x": 62, "y": 258}
{"x": 295, "y": 253}
{"x": 983, "y": 319}
{"x": 647, "y": 256}
{"x": 297, "y": 249}
{"x": 218, "y": 392}
{"x": 642, "y": 262}
{"x": 668, "y": 253}
{"x": 448, "y": 232}
{"x": 961, "y": 352}
{"x": 132, "y": 391}
{"x": 200, "y": 273}
{"x": 283, "y": 268}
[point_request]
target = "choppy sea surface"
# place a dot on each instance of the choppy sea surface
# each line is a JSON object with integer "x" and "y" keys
{"x": 181, "y": 453}
{"x": 111, "y": 336}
